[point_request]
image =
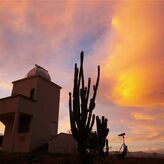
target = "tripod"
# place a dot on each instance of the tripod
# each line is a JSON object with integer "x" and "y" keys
{"x": 124, "y": 148}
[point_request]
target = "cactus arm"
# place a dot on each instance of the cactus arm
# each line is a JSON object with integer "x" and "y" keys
{"x": 76, "y": 100}
{"x": 72, "y": 122}
{"x": 81, "y": 69}
{"x": 92, "y": 100}
{"x": 97, "y": 83}
{"x": 88, "y": 90}
{"x": 107, "y": 147}
{"x": 92, "y": 122}
{"x": 102, "y": 132}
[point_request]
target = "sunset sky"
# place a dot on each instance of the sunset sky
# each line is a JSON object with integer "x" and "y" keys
{"x": 126, "y": 38}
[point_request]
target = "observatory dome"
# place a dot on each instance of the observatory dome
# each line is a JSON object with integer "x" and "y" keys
{"x": 39, "y": 71}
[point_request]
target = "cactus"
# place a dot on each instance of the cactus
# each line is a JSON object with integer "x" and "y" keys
{"x": 81, "y": 108}
{"x": 93, "y": 143}
{"x": 106, "y": 147}
{"x": 102, "y": 132}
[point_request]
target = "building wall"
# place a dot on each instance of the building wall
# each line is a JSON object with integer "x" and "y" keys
{"x": 9, "y": 108}
{"x": 47, "y": 96}
{"x": 8, "y": 134}
{"x": 9, "y": 105}
{"x": 24, "y": 86}
{"x": 22, "y": 142}
{"x": 63, "y": 143}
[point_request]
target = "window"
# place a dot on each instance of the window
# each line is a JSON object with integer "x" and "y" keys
{"x": 1, "y": 140}
{"x": 32, "y": 93}
{"x": 24, "y": 123}
{"x": 53, "y": 128}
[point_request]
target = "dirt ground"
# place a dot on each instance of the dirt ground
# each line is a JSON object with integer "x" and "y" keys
{"x": 47, "y": 158}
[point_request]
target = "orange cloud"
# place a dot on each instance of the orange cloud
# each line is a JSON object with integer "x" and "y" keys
{"x": 134, "y": 64}
{"x": 16, "y": 12}
{"x": 4, "y": 85}
{"x": 139, "y": 116}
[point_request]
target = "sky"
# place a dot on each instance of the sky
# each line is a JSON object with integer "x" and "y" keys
{"x": 124, "y": 37}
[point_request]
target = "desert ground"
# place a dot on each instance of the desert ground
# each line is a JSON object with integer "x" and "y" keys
{"x": 47, "y": 158}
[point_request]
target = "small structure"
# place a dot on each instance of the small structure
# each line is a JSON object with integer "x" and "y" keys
{"x": 30, "y": 114}
{"x": 124, "y": 148}
{"x": 63, "y": 143}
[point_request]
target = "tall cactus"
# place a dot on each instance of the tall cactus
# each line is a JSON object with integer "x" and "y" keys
{"x": 102, "y": 132}
{"x": 81, "y": 116}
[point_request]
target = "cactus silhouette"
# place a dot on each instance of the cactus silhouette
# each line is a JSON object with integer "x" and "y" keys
{"x": 106, "y": 147}
{"x": 102, "y": 132}
{"x": 81, "y": 107}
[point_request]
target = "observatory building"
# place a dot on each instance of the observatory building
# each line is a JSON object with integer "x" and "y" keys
{"x": 30, "y": 114}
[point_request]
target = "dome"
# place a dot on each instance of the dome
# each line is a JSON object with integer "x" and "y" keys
{"x": 39, "y": 71}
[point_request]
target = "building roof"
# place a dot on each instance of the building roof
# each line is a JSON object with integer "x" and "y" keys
{"x": 39, "y": 71}
{"x": 38, "y": 76}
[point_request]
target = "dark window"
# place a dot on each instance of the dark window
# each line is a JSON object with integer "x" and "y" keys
{"x": 1, "y": 140}
{"x": 24, "y": 124}
{"x": 32, "y": 93}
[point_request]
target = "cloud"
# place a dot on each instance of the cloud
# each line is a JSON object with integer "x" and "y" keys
{"x": 4, "y": 85}
{"x": 135, "y": 58}
{"x": 138, "y": 116}
{"x": 159, "y": 136}
{"x": 154, "y": 149}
